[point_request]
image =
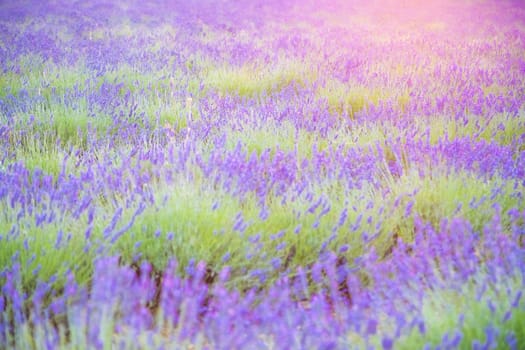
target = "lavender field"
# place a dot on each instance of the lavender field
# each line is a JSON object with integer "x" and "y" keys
{"x": 262, "y": 174}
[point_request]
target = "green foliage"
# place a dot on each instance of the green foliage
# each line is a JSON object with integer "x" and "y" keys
{"x": 443, "y": 196}
{"x": 255, "y": 79}
{"x": 197, "y": 219}
{"x": 502, "y": 128}
{"x": 349, "y": 98}
{"x": 447, "y": 311}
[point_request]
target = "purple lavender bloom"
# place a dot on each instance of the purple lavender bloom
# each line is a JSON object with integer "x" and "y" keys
{"x": 387, "y": 343}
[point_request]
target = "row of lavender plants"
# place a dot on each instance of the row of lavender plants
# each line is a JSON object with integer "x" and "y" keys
{"x": 262, "y": 174}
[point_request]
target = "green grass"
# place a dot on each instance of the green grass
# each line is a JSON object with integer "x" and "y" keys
{"x": 443, "y": 196}
{"x": 40, "y": 256}
{"x": 40, "y": 77}
{"x": 256, "y": 79}
{"x": 201, "y": 218}
{"x": 273, "y": 135}
{"x": 443, "y": 310}
{"x": 349, "y": 98}
{"x": 256, "y": 137}
{"x": 501, "y": 128}
{"x": 41, "y": 154}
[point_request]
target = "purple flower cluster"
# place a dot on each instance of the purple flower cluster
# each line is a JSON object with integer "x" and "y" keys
{"x": 330, "y": 304}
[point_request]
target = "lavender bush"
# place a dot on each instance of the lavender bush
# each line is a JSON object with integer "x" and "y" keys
{"x": 262, "y": 174}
